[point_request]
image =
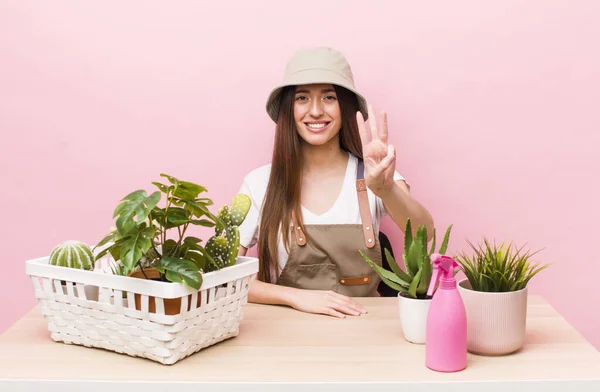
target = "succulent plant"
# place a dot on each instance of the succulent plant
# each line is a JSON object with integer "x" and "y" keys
{"x": 494, "y": 268}
{"x": 223, "y": 247}
{"x": 73, "y": 254}
{"x": 414, "y": 282}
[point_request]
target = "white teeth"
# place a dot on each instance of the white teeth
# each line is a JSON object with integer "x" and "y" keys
{"x": 316, "y": 126}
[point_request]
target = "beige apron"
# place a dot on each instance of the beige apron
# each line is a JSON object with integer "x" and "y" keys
{"x": 331, "y": 260}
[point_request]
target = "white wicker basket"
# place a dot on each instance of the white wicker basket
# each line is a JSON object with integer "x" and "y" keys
{"x": 98, "y": 309}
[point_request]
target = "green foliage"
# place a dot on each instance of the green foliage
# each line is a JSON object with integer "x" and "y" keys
{"x": 493, "y": 268}
{"x": 414, "y": 281}
{"x": 144, "y": 232}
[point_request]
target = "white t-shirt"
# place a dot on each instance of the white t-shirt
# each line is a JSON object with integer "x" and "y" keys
{"x": 345, "y": 210}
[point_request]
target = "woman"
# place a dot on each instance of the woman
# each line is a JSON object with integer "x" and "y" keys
{"x": 329, "y": 184}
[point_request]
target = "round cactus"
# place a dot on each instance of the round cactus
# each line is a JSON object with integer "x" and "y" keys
{"x": 73, "y": 254}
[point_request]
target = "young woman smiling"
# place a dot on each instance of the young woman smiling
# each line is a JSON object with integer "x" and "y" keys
{"x": 320, "y": 200}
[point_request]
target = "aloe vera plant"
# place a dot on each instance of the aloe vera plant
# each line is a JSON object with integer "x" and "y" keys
{"x": 414, "y": 281}
{"x": 151, "y": 236}
{"x": 498, "y": 268}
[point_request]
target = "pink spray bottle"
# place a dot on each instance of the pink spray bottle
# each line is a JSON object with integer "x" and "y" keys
{"x": 446, "y": 334}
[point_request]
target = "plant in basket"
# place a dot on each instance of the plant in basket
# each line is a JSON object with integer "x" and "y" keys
{"x": 150, "y": 240}
{"x": 412, "y": 284}
{"x": 495, "y": 295}
{"x": 77, "y": 255}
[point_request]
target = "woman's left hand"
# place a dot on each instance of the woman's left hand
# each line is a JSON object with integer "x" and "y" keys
{"x": 379, "y": 156}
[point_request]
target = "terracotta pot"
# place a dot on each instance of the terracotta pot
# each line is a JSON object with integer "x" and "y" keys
{"x": 496, "y": 322}
{"x": 172, "y": 305}
{"x": 413, "y": 317}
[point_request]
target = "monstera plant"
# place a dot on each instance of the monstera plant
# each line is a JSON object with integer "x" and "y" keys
{"x": 149, "y": 237}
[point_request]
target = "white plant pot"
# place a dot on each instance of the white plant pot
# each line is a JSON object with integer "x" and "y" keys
{"x": 496, "y": 322}
{"x": 413, "y": 318}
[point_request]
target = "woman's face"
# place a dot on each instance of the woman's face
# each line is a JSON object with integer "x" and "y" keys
{"x": 317, "y": 113}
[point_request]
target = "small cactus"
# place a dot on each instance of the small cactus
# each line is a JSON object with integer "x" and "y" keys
{"x": 239, "y": 208}
{"x": 225, "y": 217}
{"x": 73, "y": 254}
{"x": 223, "y": 247}
{"x": 232, "y": 234}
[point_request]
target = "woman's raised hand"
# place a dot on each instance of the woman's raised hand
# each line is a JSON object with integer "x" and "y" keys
{"x": 379, "y": 157}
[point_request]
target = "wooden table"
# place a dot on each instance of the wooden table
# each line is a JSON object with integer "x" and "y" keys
{"x": 279, "y": 345}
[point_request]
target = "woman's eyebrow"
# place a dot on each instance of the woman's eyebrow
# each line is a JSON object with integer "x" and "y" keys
{"x": 326, "y": 90}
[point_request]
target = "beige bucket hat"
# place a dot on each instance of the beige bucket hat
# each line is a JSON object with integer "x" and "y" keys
{"x": 319, "y": 65}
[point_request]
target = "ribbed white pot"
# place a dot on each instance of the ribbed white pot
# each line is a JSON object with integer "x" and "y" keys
{"x": 413, "y": 318}
{"x": 496, "y": 322}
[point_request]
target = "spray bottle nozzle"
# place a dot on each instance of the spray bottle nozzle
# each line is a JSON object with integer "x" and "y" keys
{"x": 441, "y": 264}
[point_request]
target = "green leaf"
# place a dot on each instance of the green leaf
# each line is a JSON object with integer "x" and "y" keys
{"x": 202, "y": 222}
{"x": 175, "y": 217}
{"x": 200, "y": 210}
{"x": 191, "y": 241}
{"x": 188, "y": 191}
{"x": 196, "y": 257}
{"x": 171, "y": 179}
{"x": 413, "y": 258}
{"x": 135, "y": 205}
{"x": 412, "y": 290}
{"x": 394, "y": 266}
{"x": 407, "y": 239}
{"x": 432, "y": 251}
{"x": 393, "y": 285}
{"x": 111, "y": 237}
{"x": 204, "y": 201}
{"x": 426, "y": 273}
{"x": 444, "y": 246}
{"x": 136, "y": 245}
{"x": 162, "y": 187}
{"x": 114, "y": 247}
{"x": 177, "y": 270}
{"x": 383, "y": 273}
{"x": 424, "y": 262}
{"x": 170, "y": 248}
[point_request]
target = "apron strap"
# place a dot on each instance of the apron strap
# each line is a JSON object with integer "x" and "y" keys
{"x": 298, "y": 233}
{"x": 363, "y": 205}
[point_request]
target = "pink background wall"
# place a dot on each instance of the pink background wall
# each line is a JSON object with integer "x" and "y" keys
{"x": 493, "y": 109}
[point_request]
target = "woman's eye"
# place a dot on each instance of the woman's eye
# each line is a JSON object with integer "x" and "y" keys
{"x": 330, "y": 97}
{"x": 300, "y": 98}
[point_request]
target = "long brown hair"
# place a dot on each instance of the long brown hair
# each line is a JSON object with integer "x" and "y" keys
{"x": 284, "y": 190}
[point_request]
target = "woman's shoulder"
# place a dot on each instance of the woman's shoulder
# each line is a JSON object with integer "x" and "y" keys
{"x": 259, "y": 175}
{"x": 255, "y": 183}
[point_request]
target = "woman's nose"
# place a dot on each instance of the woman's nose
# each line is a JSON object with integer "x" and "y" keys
{"x": 316, "y": 108}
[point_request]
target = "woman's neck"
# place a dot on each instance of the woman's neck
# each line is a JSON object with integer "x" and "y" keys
{"x": 323, "y": 158}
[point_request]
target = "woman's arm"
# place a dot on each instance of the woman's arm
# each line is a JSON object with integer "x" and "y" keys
{"x": 311, "y": 301}
{"x": 400, "y": 205}
{"x": 380, "y": 166}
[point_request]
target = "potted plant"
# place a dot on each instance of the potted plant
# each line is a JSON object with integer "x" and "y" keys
{"x": 78, "y": 255}
{"x": 413, "y": 283}
{"x": 495, "y": 296}
{"x": 150, "y": 241}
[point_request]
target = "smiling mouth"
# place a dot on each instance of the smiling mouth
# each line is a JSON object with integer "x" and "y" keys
{"x": 317, "y": 126}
